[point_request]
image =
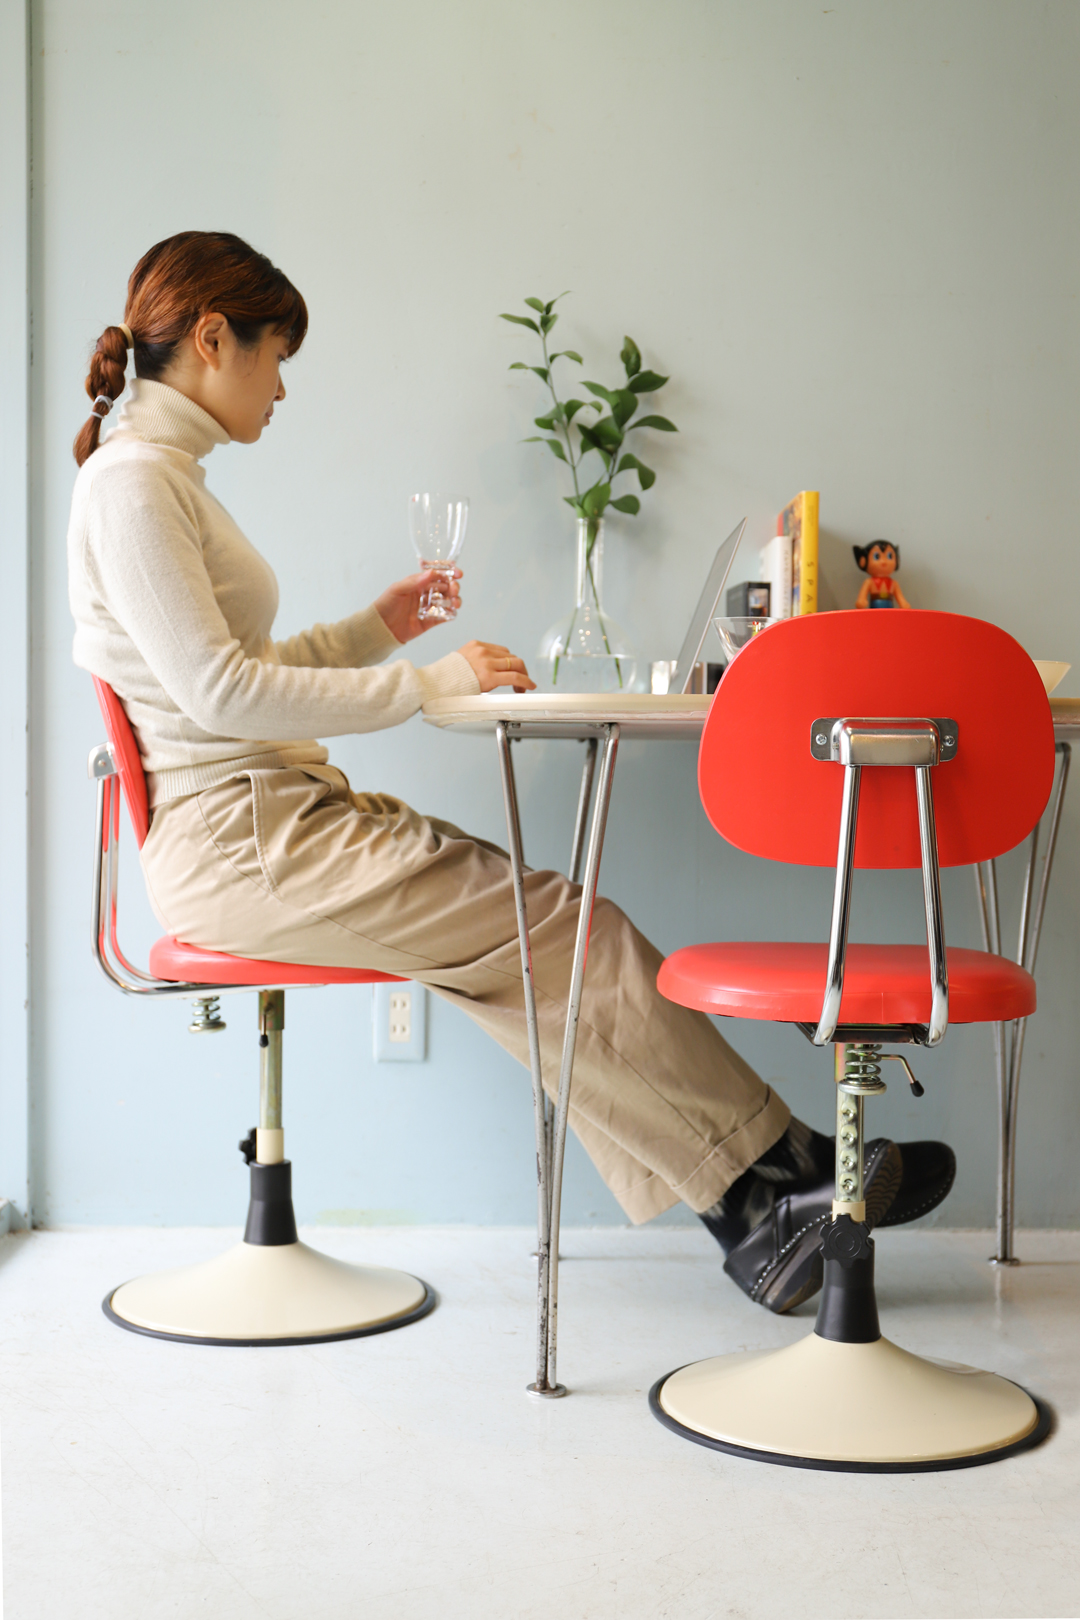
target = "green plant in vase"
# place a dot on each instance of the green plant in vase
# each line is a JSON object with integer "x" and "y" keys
{"x": 588, "y": 640}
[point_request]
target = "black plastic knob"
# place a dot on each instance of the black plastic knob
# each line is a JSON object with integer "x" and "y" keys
{"x": 846, "y": 1240}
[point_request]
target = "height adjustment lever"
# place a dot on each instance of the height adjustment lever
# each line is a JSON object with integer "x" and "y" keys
{"x": 917, "y": 1089}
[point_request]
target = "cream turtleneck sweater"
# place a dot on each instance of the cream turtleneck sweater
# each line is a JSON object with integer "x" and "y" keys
{"x": 174, "y": 607}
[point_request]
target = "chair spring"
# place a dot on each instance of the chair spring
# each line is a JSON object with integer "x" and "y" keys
{"x": 862, "y": 1069}
{"x": 207, "y": 1016}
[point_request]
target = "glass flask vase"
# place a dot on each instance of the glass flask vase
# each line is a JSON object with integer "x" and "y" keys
{"x": 587, "y": 650}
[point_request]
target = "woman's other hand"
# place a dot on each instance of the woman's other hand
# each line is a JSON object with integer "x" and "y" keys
{"x": 399, "y": 607}
{"x": 496, "y": 666}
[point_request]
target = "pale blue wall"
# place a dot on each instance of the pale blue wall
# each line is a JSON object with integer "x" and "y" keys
{"x": 849, "y": 234}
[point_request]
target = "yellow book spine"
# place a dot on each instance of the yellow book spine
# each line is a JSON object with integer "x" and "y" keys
{"x": 808, "y": 552}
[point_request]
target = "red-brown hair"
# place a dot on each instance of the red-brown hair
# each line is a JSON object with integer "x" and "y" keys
{"x": 171, "y": 288}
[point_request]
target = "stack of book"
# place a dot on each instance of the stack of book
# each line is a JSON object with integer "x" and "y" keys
{"x": 789, "y": 567}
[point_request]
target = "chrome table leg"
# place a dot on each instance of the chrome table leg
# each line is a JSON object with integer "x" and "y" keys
{"x": 577, "y": 848}
{"x": 551, "y": 1129}
{"x": 543, "y": 1134}
{"x": 573, "y": 1014}
{"x": 1009, "y": 1045}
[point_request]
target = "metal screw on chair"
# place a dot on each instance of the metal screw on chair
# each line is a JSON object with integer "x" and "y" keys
{"x": 207, "y": 1017}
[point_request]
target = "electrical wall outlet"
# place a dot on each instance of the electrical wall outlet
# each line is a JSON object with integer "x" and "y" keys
{"x": 400, "y": 1022}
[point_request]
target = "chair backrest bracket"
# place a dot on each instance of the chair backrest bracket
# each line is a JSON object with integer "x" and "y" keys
{"x": 884, "y": 740}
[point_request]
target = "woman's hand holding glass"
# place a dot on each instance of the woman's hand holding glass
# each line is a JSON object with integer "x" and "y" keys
{"x": 399, "y": 608}
{"x": 437, "y": 525}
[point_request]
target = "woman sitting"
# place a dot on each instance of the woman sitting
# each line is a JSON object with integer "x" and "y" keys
{"x": 258, "y": 845}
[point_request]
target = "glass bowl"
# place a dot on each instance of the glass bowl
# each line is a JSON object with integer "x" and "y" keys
{"x": 735, "y": 634}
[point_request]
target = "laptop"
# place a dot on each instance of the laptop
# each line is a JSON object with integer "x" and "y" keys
{"x": 705, "y": 611}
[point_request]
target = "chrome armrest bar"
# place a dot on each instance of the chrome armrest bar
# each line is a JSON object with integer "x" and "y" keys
{"x": 105, "y": 947}
{"x": 841, "y": 909}
{"x": 892, "y": 741}
{"x": 112, "y": 812}
{"x": 935, "y": 916}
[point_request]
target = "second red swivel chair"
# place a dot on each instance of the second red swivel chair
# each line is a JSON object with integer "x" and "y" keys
{"x": 878, "y": 740}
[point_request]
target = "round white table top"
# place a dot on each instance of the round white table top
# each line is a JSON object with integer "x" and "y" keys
{"x": 573, "y": 714}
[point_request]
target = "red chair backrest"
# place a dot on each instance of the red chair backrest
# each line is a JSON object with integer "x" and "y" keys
{"x": 764, "y": 793}
{"x": 126, "y": 758}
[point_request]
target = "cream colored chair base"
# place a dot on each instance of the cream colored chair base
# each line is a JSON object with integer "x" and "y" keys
{"x": 256, "y": 1294}
{"x": 860, "y": 1408}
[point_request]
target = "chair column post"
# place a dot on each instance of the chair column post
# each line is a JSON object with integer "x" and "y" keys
{"x": 848, "y": 1309}
{"x": 271, "y": 1221}
{"x": 269, "y": 1136}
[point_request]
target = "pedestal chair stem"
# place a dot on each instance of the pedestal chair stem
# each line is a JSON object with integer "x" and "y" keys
{"x": 270, "y": 1138}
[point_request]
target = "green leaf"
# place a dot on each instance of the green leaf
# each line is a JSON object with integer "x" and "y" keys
{"x": 630, "y": 355}
{"x": 572, "y": 407}
{"x": 539, "y": 371}
{"x": 594, "y": 500}
{"x": 547, "y": 322}
{"x": 627, "y": 503}
{"x": 537, "y": 304}
{"x": 660, "y": 422}
{"x": 546, "y": 422}
{"x": 601, "y": 392}
{"x": 519, "y": 365}
{"x": 569, "y": 354}
{"x": 522, "y": 320}
{"x": 627, "y": 463}
{"x": 590, "y": 441}
{"x": 647, "y": 382}
{"x": 556, "y": 449}
{"x": 624, "y": 406}
{"x": 608, "y": 432}
{"x": 646, "y": 476}
{"x": 572, "y": 500}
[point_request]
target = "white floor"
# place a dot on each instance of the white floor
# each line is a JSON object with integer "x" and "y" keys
{"x": 408, "y": 1475}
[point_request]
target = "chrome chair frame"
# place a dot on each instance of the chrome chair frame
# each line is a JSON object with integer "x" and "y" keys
{"x": 911, "y": 743}
{"x": 105, "y": 944}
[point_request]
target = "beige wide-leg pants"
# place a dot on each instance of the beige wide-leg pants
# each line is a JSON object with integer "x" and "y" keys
{"x": 290, "y": 865}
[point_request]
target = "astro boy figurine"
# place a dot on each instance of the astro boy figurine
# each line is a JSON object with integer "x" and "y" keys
{"x": 880, "y": 559}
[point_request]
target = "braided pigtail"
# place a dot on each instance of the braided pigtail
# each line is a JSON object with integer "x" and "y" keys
{"x": 105, "y": 384}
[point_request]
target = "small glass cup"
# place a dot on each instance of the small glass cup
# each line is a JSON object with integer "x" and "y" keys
{"x": 437, "y": 525}
{"x": 735, "y": 634}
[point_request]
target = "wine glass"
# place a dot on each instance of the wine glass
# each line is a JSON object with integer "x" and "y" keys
{"x": 437, "y": 525}
{"x": 735, "y": 634}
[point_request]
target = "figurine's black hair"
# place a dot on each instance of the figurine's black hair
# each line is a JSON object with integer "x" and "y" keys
{"x": 862, "y": 553}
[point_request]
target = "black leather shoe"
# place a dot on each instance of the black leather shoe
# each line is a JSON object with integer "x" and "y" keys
{"x": 928, "y": 1175}
{"x": 779, "y": 1263}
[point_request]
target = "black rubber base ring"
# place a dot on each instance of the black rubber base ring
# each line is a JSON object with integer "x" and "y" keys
{"x": 428, "y": 1303}
{"x": 936, "y": 1465}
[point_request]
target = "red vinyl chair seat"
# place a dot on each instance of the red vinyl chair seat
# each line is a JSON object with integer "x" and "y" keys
{"x": 883, "y": 984}
{"x": 191, "y": 964}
